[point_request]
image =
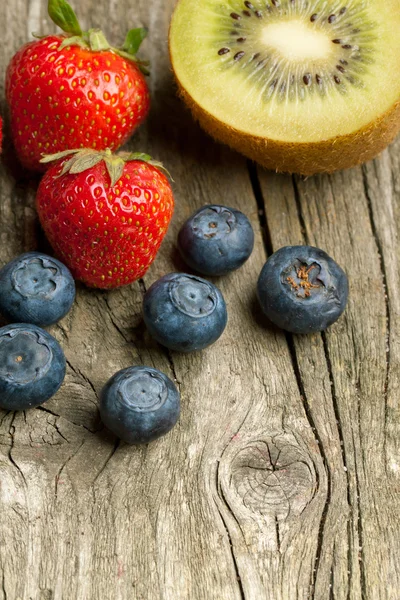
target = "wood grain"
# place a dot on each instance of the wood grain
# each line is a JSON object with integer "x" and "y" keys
{"x": 281, "y": 480}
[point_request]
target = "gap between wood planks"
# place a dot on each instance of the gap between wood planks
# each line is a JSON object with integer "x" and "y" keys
{"x": 385, "y": 289}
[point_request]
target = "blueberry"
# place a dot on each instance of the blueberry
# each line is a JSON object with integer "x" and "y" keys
{"x": 139, "y": 404}
{"x": 32, "y": 366}
{"x": 35, "y": 288}
{"x": 216, "y": 240}
{"x": 184, "y": 312}
{"x": 301, "y": 289}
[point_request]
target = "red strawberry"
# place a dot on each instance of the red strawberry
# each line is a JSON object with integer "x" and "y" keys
{"x": 74, "y": 91}
{"x": 105, "y": 215}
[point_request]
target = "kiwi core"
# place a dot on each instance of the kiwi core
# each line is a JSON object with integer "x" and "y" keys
{"x": 296, "y": 41}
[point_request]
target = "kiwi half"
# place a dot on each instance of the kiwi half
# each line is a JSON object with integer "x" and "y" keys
{"x": 301, "y": 86}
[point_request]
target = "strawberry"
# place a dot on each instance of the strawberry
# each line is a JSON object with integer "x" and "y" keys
{"x": 105, "y": 215}
{"x": 74, "y": 90}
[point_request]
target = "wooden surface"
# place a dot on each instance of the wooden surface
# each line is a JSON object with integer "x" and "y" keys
{"x": 281, "y": 480}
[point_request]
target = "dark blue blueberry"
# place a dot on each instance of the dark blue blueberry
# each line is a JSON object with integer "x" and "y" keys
{"x": 35, "y": 288}
{"x": 216, "y": 240}
{"x": 184, "y": 312}
{"x": 139, "y": 404}
{"x": 32, "y": 366}
{"x": 301, "y": 289}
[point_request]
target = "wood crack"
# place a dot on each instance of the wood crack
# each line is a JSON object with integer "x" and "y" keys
{"x": 336, "y": 411}
{"x": 58, "y": 476}
{"x": 244, "y": 418}
{"x": 142, "y": 287}
{"x": 117, "y": 444}
{"x": 60, "y": 432}
{"x": 12, "y": 433}
{"x": 50, "y": 412}
{"x": 342, "y": 450}
{"x": 262, "y": 217}
{"x": 302, "y": 222}
{"x": 308, "y": 412}
{"x": 278, "y": 537}
{"x": 172, "y": 366}
{"x": 110, "y": 313}
{"x": 387, "y": 304}
{"x": 78, "y": 372}
{"x": 234, "y": 561}
{"x": 3, "y": 585}
{"x": 361, "y": 558}
{"x": 331, "y": 583}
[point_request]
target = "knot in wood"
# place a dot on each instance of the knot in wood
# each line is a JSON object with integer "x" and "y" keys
{"x": 273, "y": 477}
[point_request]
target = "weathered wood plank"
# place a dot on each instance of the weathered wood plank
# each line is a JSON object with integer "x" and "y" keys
{"x": 353, "y": 216}
{"x": 281, "y": 479}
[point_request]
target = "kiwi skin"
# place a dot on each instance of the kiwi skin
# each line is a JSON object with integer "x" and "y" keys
{"x": 326, "y": 156}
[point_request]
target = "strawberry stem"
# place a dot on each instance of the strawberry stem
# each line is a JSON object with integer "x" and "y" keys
{"x": 64, "y": 16}
{"x": 133, "y": 40}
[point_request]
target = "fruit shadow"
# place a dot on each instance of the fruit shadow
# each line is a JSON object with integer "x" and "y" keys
{"x": 179, "y": 264}
{"x": 181, "y": 267}
{"x": 9, "y": 159}
{"x": 261, "y": 319}
{"x": 20, "y": 190}
{"x": 175, "y": 135}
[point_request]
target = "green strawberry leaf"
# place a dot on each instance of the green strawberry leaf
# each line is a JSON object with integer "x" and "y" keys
{"x": 147, "y": 158}
{"x": 53, "y": 157}
{"x": 115, "y": 167}
{"x": 139, "y": 156}
{"x": 79, "y": 160}
{"x": 134, "y": 39}
{"x": 66, "y": 167}
{"x": 143, "y": 67}
{"x": 142, "y": 64}
{"x": 160, "y": 166}
{"x": 63, "y": 15}
{"x": 84, "y": 161}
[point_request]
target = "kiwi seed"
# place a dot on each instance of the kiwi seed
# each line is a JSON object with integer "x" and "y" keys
{"x": 275, "y": 79}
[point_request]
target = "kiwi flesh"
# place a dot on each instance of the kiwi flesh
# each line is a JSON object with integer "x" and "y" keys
{"x": 301, "y": 86}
